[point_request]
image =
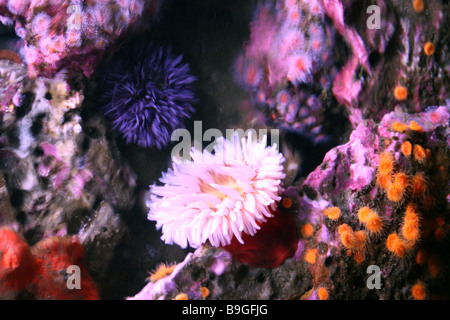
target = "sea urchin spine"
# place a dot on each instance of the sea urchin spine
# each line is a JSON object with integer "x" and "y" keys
{"x": 147, "y": 93}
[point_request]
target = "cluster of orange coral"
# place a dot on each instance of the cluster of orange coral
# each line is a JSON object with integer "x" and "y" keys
{"x": 397, "y": 190}
{"x": 354, "y": 241}
{"x": 395, "y": 185}
{"x": 402, "y": 127}
{"x": 371, "y": 220}
{"x": 419, "y": 180}
{"x": 398, "y": 184}
{"x": 410, "y": 233}
{"x": 396, "y": 245}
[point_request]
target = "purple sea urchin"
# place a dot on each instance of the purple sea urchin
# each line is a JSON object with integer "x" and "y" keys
{"x": 147, "y": 94}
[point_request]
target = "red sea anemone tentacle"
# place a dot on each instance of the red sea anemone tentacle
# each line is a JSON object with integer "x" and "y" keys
{"x": 54, "y": 256}
{"x": 16, "y": 262}
{"x": 276, "y": 241}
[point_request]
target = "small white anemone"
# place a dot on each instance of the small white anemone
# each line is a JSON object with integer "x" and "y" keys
{"x": 219, "y": 195}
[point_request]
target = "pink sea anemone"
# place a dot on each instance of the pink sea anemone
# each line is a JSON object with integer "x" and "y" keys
{"x": 41, "y": 24}
{"x": 18, "y": 6}
{"x": 299, "y": 67}
{"x": 292, "y": 40}
{"x": 222, "y": 198}
{"x": 73, "y": 37}
{"x": 252, "y": 75}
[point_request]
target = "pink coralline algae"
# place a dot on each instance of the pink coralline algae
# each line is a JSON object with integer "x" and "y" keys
{"x": 71, "y": 34}
{"x": 63, "y": 177}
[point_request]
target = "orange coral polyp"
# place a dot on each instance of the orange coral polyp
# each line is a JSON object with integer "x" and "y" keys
{"x": 348, "y": 240}
{"x": 347, "y": 237}
{"x": 406, "y": 148}
{"x": 395, "y": 193}
{"x": 286, "y": 203}
{"x": 418, "y": 185}
{"x": 398, "y": 188}
{"x": 204, "y": 291}
{"x": 401, "y": 179}
{"x": 307, "y": 230}
{"x": 311, "y": 256}
{"x": 418, "y": 5}
{"x": 370, "y": 219}
{"x": 344, "y": 228}
{"x": 428, "y": 48}
{"x": 361, "y": 239}
{"x": 359, "y": 256}
{"x": 384, "y": 181}
{"x": 419, "y": 153}
{"x": 364, "y": 214}
{"x": 418, "y": 291}
{"x": 411, "y": 224}
{"x": 398, "y": 126}
{"x": 414, "y": 126}
{"x": 375, "y": 225}
{"x": 181, "y": 296}
{"x": 322, "y": 293}
{"x": 332, "y": 213}
{"x": 396, "y": 245}
{"x": 162, "y": 271}
{"x": 400, "y": 93}
{"x": 386, "y": 163}
{"x": 421, "y": 256}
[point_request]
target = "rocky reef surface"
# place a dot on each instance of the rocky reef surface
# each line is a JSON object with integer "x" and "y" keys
{"x": 364, "y": 132}
{"x": 336, "y": 252}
